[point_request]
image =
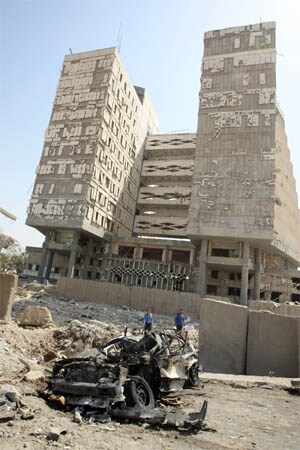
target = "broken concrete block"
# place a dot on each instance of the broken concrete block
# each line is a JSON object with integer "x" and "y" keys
{"x": 11, "y": 393}
{"x": 6, "y": 415}
{"x": 8, "y": 285}
{"x": 35, "y": 375}
{"x": 27, "y": 415}
{"x": 35, "y": 316}
{"x": 222, "y": 336}
{"x": 53, "y": 434}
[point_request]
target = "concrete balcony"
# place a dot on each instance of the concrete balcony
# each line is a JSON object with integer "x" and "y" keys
{"x": 176, "y": 169}
{"x": 160, "y": 225}
{"x": 168, "y": 196}
{"x": 228, "y": 263}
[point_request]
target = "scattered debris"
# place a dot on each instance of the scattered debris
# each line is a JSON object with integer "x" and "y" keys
{"x": 176, "y": 419}
{"x": 293, "y": 390}
{"x": 6, "y": 415}
{"x": 27, "y": 415}
{"x": 77, "y": 414}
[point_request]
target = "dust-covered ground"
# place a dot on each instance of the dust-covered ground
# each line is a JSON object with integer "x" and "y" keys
{"x": 238, "y": 417}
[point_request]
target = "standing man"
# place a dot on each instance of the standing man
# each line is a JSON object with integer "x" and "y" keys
{"x": 148, "y": 320}
{"x": 179, "y": 320}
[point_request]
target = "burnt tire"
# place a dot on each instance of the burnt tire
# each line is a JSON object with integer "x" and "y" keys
{"x": 138, "y": 393}
{"x": 193, "y": 376}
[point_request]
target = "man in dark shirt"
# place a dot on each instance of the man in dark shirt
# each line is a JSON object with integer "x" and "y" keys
{"x": 179, "y": 320}
{"x": 148, "y": 320}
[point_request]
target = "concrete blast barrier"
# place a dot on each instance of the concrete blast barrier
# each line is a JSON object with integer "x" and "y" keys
{"x": 273, "y": 342}
{"x": 222, "y": 337}
{"x": 161, "y": 301}
{"x": 8, "y": 284}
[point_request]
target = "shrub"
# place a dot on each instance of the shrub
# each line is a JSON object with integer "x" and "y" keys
{"x": 12, "y": 258}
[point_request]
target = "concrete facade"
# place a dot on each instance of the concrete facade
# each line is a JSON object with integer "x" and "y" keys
{"x": 210, "y": 213}
{"x": 165, "y": 187}
{"x": 88, "y": 177}
{"x": 240, "y": 206}
{"x": 234, "y": 173}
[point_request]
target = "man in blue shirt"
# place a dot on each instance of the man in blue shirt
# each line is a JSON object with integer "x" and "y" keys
{"x": 148, "y": 320}
{"x": 179, "y": 320}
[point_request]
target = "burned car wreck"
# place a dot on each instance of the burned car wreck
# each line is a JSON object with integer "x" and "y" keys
{"x": 126, "y": 376}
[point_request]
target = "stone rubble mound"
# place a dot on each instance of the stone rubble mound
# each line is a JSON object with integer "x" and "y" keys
{"x": 78, "y": 336}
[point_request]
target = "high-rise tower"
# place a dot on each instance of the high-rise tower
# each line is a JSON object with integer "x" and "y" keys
{"x": 88, "y": 177}
{"x": 243, "y": 186}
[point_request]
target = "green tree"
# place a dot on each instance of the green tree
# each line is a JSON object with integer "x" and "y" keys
{"x": 12, "y": 258}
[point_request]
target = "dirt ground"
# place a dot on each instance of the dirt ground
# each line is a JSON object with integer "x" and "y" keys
{"x": 238, "y": 417}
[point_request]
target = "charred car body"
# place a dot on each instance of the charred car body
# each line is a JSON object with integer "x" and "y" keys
{"x": 127, "y": 372}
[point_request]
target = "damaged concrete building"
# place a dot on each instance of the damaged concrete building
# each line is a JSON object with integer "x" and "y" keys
{"x": 213, "y": 212}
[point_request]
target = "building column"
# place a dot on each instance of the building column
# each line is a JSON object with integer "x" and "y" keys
{"x": 245, "y": 275}
{"x": 164, "y": 258}
{"x": 192, "y": 256}
{"x": 138, "y": 252}
{"x": 257, "y": 269}
{"x": 87, "y": 258}
{"x": 50, "y": 255}
{"x": 43, "y": 256}
{"x": 73, "y": 254}
{"x": 202, "y": 268}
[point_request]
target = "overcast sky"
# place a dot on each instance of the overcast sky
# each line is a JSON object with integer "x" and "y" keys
{"x": 161, "y": 47}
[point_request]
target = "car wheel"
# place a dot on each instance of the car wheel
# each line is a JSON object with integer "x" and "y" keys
{"x": 193, "y": 376}
{"x": 138, "y": 393}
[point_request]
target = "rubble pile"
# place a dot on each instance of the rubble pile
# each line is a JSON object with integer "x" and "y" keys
{"x": 78, "y": 336}
{"x": 22, "y": 348}
{"x": 36, "y": 316}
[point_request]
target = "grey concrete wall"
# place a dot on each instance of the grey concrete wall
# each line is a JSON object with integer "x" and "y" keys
{"x": 222, "y": 336}
{"x": 161, "y": 301}
{"x": 8, "y": 284}
{"x": 273, "y": 344}
{"x": 277, "y": 308}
